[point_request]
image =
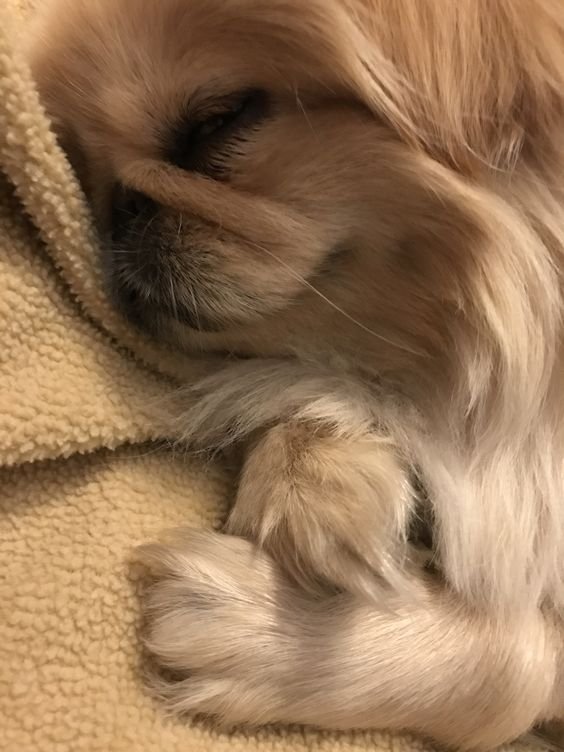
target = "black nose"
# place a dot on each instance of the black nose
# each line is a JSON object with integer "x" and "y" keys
{"x": 128, "y": 206}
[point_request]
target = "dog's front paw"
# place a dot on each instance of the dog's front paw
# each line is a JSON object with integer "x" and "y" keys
{"x": 214, "y": 626}
{"x": 332, "y": 511}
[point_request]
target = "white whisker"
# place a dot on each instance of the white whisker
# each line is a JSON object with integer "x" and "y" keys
{"x": 333, "y": 305}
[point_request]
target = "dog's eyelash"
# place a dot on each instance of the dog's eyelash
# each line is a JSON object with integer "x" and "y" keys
{"x": 215, "y": 124}
{"x": 194, "y": 142}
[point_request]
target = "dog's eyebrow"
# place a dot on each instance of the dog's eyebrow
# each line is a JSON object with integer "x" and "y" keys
{"x": 201, "y": 102}
{"x": 193, "y": 107}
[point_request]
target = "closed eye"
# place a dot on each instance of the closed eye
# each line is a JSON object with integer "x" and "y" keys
{"x": 195, "y": 142}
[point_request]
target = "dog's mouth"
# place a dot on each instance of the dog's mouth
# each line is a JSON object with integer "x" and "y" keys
{"x": 156, "y": 285}
{"x": 165, "y": 268}
{"x": 152, "y": 314}
{"x": 152, "y": 278}
{"x": 151, "y": 289}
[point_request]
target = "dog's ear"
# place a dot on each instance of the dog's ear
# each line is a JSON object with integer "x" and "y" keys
{"x": 473, "y": 82}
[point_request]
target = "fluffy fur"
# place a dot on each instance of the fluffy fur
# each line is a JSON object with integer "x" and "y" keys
{"x": 380, "y": 233}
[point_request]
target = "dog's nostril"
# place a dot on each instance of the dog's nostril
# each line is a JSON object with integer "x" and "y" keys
{"x": 130, "y": 296}
{"x": 131, "y": 304}
{"x": 127, "y": 206}
{"x": 137, "y": 203}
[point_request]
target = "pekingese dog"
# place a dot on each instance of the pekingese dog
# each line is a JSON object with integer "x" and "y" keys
{"x": 364, "y": 200}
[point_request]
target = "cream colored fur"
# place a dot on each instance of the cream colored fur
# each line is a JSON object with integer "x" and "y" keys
{"x": 423, "y": 141}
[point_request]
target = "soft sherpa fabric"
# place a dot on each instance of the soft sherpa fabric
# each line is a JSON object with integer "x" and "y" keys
{"x": 83, "y": 478}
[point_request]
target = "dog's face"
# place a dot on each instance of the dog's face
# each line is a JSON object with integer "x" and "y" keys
{"x": 254, "y": 179}
{"x": 239, "y": 180}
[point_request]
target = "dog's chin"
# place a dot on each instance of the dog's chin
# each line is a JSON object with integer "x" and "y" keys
{"x": 161, "y": 319}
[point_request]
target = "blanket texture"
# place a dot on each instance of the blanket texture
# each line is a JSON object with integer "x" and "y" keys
{"x": 83, "y": 475}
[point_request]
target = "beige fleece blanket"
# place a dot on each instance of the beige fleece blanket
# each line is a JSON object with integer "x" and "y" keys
{"x": 83, "y": 478}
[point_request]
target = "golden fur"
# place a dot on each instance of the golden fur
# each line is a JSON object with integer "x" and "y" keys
{"x": 383, "y": 241}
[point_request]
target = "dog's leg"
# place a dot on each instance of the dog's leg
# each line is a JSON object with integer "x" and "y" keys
{"x": 249, "y": 647}
{"x": 324, "y": 487}
{"x": 331, "y": 508}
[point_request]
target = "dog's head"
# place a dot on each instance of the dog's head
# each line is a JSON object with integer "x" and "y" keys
{"x": 272, "y": 174}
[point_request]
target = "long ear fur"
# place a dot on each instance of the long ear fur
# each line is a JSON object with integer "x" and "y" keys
{"x": 474, "y": 82}
{"x": 479, "y": 86}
